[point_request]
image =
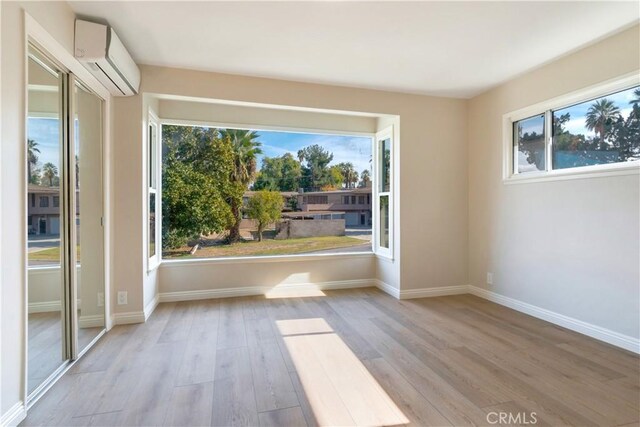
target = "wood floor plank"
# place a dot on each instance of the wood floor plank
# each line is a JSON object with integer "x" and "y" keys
{"x": 153, "y": 387}
{"x": 347, "y": 358}
{"x": 199, "y": 357}
{"x": 234, "y": 401}
{"x": 271, "y": 382}
{"x": 412, "y": 404}
{"x": 98, "y": 420}
{"x": 290, "y": 417}
{"x": 178, "y": 325}
{"x": 455, "y": 375}
{"x": 305, "y": 405}
{"x": 231, "y": 329}
{"x": 190, "y": 405}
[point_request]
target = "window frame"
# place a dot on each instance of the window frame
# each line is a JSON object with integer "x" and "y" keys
{"x": 261, "y": 258}
{"x": 153, "y": 179}
{"x": 509, "y": 150}
{"x": 383, "y": 135}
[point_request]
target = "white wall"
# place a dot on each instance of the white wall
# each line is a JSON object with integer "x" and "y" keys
{"x": 567, "y": 246}
{"x": 57, "y": 18}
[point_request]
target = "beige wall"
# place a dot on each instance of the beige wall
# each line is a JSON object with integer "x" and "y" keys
{"x": 433, "y": 137}
{"x": 57, "y": 18}
{"x": 567, "y": 246}
{"x": 239, "y": 114}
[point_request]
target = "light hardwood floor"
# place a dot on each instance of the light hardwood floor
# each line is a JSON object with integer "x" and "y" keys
{"x": 45, "y": 345}
{"x": 350, "y": 357}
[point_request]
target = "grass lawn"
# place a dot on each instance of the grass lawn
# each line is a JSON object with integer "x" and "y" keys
{"x": 51, "y": 254}
{"x": 268, "y": 247}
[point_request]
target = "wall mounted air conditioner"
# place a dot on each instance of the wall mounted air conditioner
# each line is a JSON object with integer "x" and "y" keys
{"x": 100, "y": 50}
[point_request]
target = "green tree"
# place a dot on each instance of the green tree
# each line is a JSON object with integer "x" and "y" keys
{"x": 365, "y": 178}
{"x": 49, "y": 172}
{"x": 600, "y": 116}
{"x": 626, "y": 135}
{"x": 266, "y": 208}
{"x": 636, "y": 100}
{"x": 196, "y": 184}
{"x": 32, "y": 160}
{"x": 246, "y": 148}
{"x": 349, "y": 174}
{"x": 279, "y": 174}
{"x": 315, "y": 171}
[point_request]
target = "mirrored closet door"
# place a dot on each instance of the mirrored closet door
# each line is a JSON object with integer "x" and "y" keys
{"x": 64, "y": 205}
{"x": 46, "y": 296}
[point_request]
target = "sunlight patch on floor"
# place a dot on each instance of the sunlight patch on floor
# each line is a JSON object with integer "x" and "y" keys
{"x": 339, "y": 388}
{"x": 292, "y": 291}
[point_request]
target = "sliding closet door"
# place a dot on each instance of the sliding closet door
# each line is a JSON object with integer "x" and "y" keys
{"x": 65, "y": 270}
{"x": 47, "y": 322}
{"x": 88, "y": 204}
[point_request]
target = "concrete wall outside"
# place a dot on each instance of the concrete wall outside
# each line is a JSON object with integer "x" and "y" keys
{"x": 291, "y": 229}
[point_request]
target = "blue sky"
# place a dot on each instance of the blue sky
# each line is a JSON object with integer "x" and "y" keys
{"x": 354, "y": 149}
{"x": 45, "y": 132}
{"x": 577, "y": 113}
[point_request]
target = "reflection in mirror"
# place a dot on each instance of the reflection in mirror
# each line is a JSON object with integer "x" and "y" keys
{"x": 88, "y": 214}
{"x": 44, "y": 171}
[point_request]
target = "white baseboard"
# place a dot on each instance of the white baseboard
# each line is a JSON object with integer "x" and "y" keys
{"x": 47, "y": 306}
{"x": 92, "y": 321}
{"x": 14, "y": 415}
{"x": 434, "y": 292}
{"x": 387, "y": 288}
{"x": 585, "y": 328}
{"x": 44, "y": 307}
{"x": 263, "y": 290}
{"x": 127, "y": 318}
{"x": 148, "y": 309}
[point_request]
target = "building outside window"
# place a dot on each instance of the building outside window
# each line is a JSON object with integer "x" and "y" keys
{"x": 232, "y": 192}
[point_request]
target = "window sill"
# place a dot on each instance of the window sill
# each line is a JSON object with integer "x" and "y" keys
{"x": 264, "y": 259}
{"x": 586, "y": 172}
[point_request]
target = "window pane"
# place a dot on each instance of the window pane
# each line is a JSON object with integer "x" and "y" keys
{"x": 152, "y": 157}
{"x": 385, "y": 165}
{"x": 152, "y": 224}
{"x": 231, "y": 192}
{"x": 384, "y": 222}
{"x": 600, "y": 131}
{"x": 529, "y": 139}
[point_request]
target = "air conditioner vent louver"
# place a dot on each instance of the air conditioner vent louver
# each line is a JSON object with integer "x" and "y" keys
{"x": 100, "y": 50}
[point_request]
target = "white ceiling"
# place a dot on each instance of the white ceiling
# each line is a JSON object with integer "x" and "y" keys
{"x": 454, "y": 49}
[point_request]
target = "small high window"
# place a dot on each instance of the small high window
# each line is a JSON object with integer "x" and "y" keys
{"x": 44, "y": 201}
{"x": 592, "y": 131}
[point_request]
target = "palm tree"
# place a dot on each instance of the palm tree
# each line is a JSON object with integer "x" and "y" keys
{"x": 32, "y": 157}
{"x": 365, "y": 178}
{"x": 349, "y": 174}
{"x": 600, "y": 114}
{"x": 49, "y": 171}
{"x": 246, "y": 148}
{"x": 636, "y": 100}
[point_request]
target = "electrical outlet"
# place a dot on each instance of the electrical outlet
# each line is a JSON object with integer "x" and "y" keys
{"x": 100, "y": 299}
{"x": 122, "y": 298}
{"x": 489, "y": 278}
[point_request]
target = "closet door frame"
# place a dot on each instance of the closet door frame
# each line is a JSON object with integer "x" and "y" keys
{"x": 36, "y": 36}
